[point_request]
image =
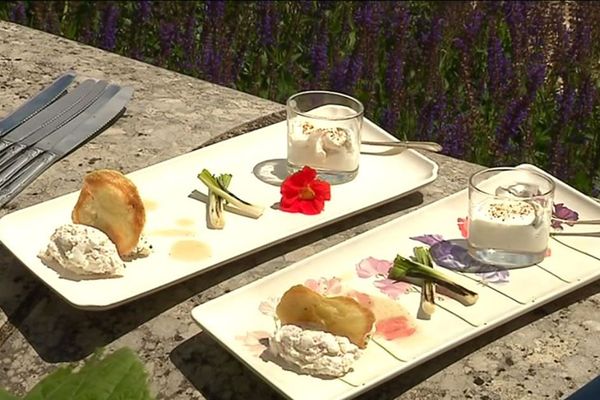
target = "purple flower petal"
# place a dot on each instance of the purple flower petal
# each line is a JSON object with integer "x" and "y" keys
{"x": 497, "y": 276}
{"x": 564, "y": 213}
{"x": 429, "y": 239}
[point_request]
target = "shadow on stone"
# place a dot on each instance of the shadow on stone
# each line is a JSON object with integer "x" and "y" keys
{"x": 59, "y": 332}
{"x": 216, "y": 373}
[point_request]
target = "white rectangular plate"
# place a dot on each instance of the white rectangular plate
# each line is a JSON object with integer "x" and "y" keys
{"x": 242, "y": 319}
{"x": 176, "y": 222}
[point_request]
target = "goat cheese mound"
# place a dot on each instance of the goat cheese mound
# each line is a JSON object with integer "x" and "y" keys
{"x": 314, "y": 352}
{"x": 83, "y": 250}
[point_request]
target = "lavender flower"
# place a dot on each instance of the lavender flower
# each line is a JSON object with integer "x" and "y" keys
{"x": 110, "y": 18}
{"x": 167, "y": 33}
{"x": 580, "y": 45}
{"x": 268, "y": 31}
{"x": 337, "y": 78}
{"x": 431, "y": 114}
{"x": 430, "y": 39}
{"x": 559, "y": 160}
{"x": 389, "y": 119}
{"x": 189, "y": 41}
{"x": 355, "y": 70}
{"x": 566, "y": 102}
{"x": 17, "y": 14}
{"x": 208, "y": 56}
{"x": 396, "y": 61}
{"x": 306, "y": 6}
{"x": 455, "y": 137}
{"x": 535, "y": 77}
{"x": 563, "y": 215}
{"x": 318, "y": 54}
{"x": 144, "y": 10}
{"x": 508, "y": 130}
{"x": 500, "y": 72}
{"x": 215, "y": 10}
{"x": 473, "y": 26}
{"x": 515, "y": 13}
{"x": 587, "y": 97}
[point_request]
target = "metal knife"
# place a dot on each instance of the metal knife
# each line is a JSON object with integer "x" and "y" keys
{"x": 10, "y": 147}
{"x": 57, "y": 114}
{"x": 36, "y": 103}
{"x": 53, "y": 151}
{"x": 16, "y": 163}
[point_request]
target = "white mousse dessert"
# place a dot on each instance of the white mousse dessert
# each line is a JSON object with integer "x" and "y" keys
{"x": 82, "y": 250}
{"x": 326, "y": 146}
{"x": 509, "y": 225}
{"x": 314, "y": 352}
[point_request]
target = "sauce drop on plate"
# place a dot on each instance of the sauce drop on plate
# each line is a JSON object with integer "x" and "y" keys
{"x": 172, "y": 232}
{"x": 185, "y": 222}
{"x": 150, "y": 205}
{"x": 189, "y": 250}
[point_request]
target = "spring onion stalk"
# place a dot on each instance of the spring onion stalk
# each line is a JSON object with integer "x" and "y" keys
{"x": 404, "y": 268}
{"x": 245, "y": 208}
{"x": 423, "y": 256}
{"x": 215, "y": 217}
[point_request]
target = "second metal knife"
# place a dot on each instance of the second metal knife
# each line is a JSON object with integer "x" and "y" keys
{"x": 36, "y": 103}
{"x": 17, "y": 141}
{"x": 56, "y": 115}
{"x": 59, "y": 144}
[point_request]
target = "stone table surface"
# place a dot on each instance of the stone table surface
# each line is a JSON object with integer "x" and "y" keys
{"x": 545, "y": 354}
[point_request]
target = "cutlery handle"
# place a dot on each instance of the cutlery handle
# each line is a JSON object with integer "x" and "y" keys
{"x": 18, "y": 163}
{"x": 8, "y": 154}
{"x": 431, "y": 146}
{"x": 27, "y": 175}
{"x": 5, "y": 144}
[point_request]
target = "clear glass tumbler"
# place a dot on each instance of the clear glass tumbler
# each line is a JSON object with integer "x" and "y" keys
{"x": 510, "y": 212}
{"x": 323, "y": 132}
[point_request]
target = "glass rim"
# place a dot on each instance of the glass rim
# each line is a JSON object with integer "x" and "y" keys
{"x": 359, "y": 113}
{"x": 505, "y": 169}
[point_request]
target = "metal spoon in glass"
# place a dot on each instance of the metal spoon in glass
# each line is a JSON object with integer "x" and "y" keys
{"x": 431, "y": 146}
{"x": 528, "y": 190}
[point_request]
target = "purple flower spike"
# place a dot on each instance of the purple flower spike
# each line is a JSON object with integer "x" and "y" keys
{"x": 110, "y": 19}
{"x": 563, "y": 213}
{"x": 18, "y": 14}
{"x": 144, "y": 10}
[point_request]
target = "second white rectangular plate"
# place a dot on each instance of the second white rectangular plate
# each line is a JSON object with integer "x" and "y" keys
{"x": 242, "y": 320}
{"x": 176, "y": 222}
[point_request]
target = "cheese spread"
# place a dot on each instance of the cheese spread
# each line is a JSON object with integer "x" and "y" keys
{"x": 314, "y": 352}
{"x": 83, "y": 250}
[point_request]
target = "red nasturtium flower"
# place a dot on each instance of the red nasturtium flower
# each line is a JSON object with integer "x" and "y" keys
{"x": 303, "y": 193}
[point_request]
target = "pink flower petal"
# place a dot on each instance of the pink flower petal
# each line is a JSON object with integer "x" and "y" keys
{"x": 395, "y": 327}
{"x": 334, "y": 286}
{"x": 312, "y": 285}
{"x": 372, "y": 266}
{"x": 392, "y": 288}
{"x": 463, "y": 225}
